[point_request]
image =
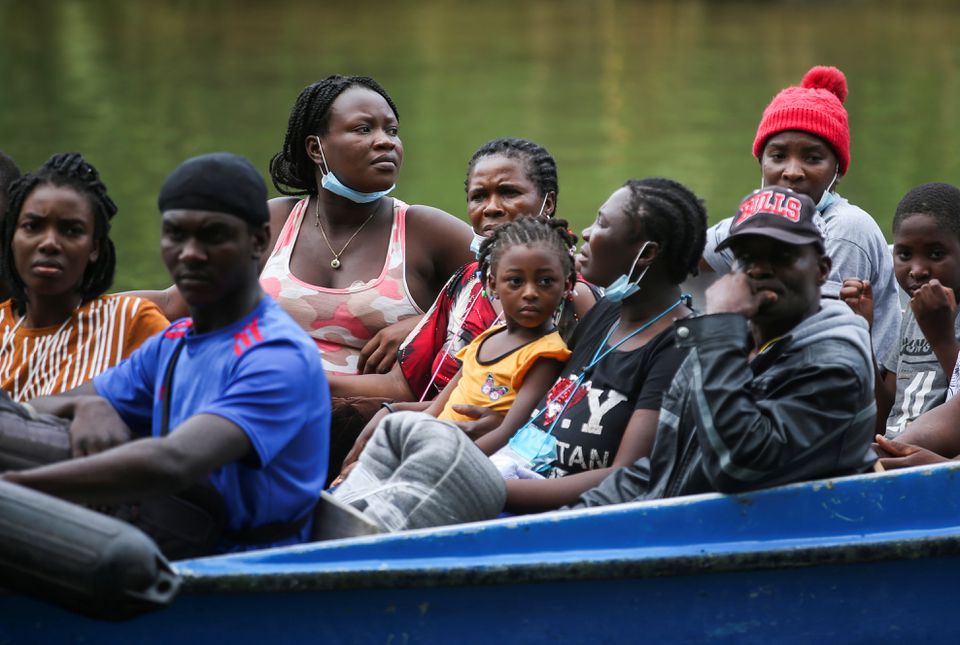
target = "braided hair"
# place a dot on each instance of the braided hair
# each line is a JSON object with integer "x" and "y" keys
{"x": 528, "y": 230}
{"x": 8, "y": 174}
{"x": 68, "y": 170}
{"x": 540, "y": 165}
{"x": 291, "y": 169}
{"x": 939, "y": 201}
{"x": 672, "y": 216}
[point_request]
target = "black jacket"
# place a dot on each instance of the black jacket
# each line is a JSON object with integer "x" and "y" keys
{"x": 803, "y": 409}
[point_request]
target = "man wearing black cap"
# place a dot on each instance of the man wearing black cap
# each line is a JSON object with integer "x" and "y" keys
{"x": 234, "y": 396}
{"x": 778, "y": 384}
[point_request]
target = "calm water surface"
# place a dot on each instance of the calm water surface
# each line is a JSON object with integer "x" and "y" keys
{"x": 613, "y": 89}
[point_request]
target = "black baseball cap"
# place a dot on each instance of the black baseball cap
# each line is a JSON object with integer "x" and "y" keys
{"x": 779, "y": 213}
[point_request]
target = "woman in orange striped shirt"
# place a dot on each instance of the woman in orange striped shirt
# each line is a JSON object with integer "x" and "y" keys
{"x": 58, "y": 330}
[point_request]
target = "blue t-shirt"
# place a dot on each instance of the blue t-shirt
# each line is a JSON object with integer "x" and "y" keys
{"x": 264, "y": 374}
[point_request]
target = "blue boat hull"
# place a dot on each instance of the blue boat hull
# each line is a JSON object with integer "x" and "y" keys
{"x": 863, "y": 558}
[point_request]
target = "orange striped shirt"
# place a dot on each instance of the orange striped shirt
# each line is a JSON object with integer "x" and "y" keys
{"x": 49, "y": 360}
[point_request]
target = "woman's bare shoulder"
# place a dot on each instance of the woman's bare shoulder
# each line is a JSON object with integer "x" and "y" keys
{"x": 441, "y": 236}
{"x": 280, "y": 208}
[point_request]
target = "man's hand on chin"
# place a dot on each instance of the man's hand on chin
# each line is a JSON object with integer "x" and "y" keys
{"x": 732, "y": 294}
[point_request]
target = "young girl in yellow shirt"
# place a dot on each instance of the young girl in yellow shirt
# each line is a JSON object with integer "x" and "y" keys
{"x": 528, "y": 265}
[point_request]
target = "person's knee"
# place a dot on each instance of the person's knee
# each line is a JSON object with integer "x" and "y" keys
{"x": 413, "y": 432}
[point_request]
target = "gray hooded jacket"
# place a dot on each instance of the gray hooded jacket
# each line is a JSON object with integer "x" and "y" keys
{"x": 803, "y": 409}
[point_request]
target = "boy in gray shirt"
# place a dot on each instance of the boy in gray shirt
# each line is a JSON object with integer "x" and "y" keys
{"x": 926, "y": 251}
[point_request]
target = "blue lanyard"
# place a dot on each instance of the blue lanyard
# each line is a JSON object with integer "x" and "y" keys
{"x": 599, "y": 355}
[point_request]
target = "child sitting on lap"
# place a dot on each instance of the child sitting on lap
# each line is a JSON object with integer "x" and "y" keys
{"x": 528, "y": 265}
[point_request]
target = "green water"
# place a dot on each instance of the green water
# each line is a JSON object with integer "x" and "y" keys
{"x": 612, "y": 89}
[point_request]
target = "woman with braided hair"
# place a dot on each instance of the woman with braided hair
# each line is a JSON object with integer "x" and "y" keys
{"x": 348, "y": 262}
{"x": 507, "y": 178}
{"x": 58, "y": 330}
{"x": 601, "y": 412}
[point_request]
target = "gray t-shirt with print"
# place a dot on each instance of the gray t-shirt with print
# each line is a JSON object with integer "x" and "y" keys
{"x": 921, "y": 383}
{"x": 858, "y": 250}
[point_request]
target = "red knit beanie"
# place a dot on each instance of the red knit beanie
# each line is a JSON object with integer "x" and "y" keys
{"x": 815, "y": 107}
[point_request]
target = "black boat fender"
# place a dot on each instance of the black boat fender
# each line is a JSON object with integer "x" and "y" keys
{"x": 186, "y": 525}
{"x": 80, "y": 559}
{"x": 27, "y": 439}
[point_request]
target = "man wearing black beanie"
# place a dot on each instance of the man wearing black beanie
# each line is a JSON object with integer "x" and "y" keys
{"x": 233, "y": 397}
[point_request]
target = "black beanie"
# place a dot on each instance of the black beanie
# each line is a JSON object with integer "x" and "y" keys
{"x": 221, "y": 182}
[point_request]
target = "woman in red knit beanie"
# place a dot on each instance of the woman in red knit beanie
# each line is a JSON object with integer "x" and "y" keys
{"x": 803, "y": 143}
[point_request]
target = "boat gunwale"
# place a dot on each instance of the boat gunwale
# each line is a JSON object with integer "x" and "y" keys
{"x": 853, "y": 544}
{"x": 577, "y": 570}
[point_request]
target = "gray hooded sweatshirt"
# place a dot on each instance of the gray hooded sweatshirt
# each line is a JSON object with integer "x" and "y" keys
{"x": 802, "y": 409}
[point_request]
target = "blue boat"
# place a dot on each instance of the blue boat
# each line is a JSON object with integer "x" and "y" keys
{"x": 871, "y": 558}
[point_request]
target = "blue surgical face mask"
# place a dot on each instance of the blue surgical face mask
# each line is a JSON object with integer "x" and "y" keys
{"x": 828, "y": 196}
{"x": 332, "y": 183}
{"x": 622, "y": 288}
{"x": 478, "y": 239}
{"x": 537, "y": 448}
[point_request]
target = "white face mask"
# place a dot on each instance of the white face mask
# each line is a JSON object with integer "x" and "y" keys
{"x": 543, "y": 205}
{"x": 475, "y": 244}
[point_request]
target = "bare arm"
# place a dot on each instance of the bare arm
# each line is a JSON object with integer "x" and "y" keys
{"x": 537, "y": 382}
{"x": 96, "y": 424}
{"x": 392, "y": 385}
{"x": 895, "y": 454}
{"x": 935, "y": 308}
{"x": 937, "y": 430}
{"x": 858, "y": 294}
{"x": 379, "y": 354}
{"x": 450, "y": 241}
{"x": 169, "y": 301}
{"x": 436, "y": 406}
{"x": 537, "y": 495}
{"x": 144, "y": 468}
{"x": 280, "y": 208}
{"x": 438, "y": 244}
{"x": 64, "y": 405}
{"x": 885, "y": 389}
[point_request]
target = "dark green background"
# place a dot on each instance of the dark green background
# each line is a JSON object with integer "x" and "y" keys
{"x": 612, "y": 89}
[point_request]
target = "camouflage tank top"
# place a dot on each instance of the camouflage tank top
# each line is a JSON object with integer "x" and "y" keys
{"x": 341, "y": 321}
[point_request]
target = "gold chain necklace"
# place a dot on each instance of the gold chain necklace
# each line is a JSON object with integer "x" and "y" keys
{"x": 335, "y": 262}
